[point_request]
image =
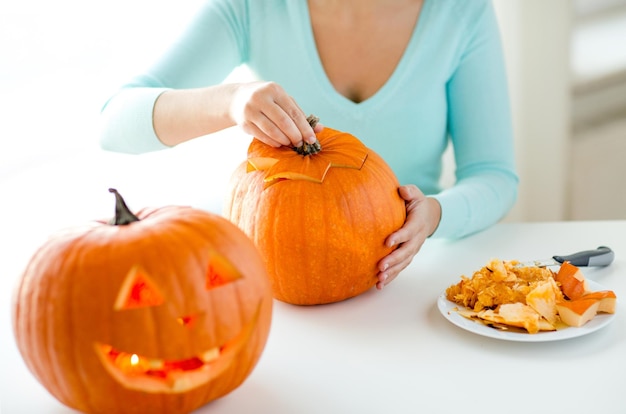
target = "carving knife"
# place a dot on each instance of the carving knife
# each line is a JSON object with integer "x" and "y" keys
{"x": 602, "y": 256}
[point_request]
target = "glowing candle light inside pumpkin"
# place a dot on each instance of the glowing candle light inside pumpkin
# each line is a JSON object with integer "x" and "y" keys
{"x": 131, "y": 363}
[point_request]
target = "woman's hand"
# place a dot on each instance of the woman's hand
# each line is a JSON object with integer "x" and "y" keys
{"x": 422, "y": 218}
{"x": 265, "y": 111}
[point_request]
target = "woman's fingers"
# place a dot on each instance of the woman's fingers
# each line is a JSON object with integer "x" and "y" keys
{"x": 423, "y": 215}
{"x": 295, "y": 117}
{"x": 264, "y": 110}
{"x": 395, "y": 262}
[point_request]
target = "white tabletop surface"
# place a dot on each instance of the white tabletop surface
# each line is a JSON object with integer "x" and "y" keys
{"x": 382, "y": 352}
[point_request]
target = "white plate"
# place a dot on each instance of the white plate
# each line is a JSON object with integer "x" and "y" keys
{"x": 601, "y": 320}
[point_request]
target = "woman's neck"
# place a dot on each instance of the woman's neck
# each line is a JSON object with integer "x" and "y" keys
{"x": 360, "y": 6}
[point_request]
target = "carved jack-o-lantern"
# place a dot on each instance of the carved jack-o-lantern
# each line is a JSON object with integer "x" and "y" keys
{"x": 160, "y": 312}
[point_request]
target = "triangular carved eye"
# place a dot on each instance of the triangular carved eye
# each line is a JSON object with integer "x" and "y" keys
{"x": 138, "y": 291}
{"x": 220, "y": 272}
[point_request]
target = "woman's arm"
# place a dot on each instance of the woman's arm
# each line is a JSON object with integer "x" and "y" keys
{"x": 261, "y": 109}
{"x": 480, "y": 127}
{"x": 182, "y": 96}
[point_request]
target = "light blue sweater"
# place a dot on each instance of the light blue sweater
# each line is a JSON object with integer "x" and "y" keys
{"x": 450, "y": 85}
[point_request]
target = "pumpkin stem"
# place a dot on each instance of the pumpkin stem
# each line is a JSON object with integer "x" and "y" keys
{"x": 312, "y": 120}
{"x": 310, "y": 149}
{"x": 123, "y": 215}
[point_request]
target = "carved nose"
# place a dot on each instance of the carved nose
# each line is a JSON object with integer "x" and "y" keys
{"x": 189, "y": 321}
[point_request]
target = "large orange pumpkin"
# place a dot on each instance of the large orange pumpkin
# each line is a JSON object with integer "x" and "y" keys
{"x": 318, "y": 215}
{"x": 158, "y": 312}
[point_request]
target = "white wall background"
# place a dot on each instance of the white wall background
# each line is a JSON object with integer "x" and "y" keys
{"x": 536, "y": 38}
{"x": 60, "y": 60}
{"x": 567, "y": 70}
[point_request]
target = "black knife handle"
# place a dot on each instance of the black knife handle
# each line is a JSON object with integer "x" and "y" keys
{"x": 602, "y": 256}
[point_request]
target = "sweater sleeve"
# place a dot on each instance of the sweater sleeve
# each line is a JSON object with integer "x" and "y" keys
{"x": 212, "y": 46}
{"x": 127, "y": 122}
{"x": 480, "y": 127}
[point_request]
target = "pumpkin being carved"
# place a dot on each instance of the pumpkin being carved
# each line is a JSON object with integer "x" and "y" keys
{"x": 318, "y": 215}
{"x": 158, "y": 312}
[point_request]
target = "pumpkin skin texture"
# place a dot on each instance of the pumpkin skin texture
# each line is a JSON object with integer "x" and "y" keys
{"x": 319, "y": 220}
{"x": 159, "y": 315}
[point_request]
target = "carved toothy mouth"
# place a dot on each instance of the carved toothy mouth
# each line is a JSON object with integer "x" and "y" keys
{"x": 156, "y": 375}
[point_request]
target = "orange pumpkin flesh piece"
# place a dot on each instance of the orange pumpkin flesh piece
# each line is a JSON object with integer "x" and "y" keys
{"x": 607, "y": 299}
{"x": 319, "y": 220}
{"x": 573, "y": 283}
{"x": 577, "y": 312}
{"x": 159, "y": 314}
{"x": 581, "y": 305}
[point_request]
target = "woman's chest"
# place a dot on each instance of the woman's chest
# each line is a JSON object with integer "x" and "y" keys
{"x": 360, "y": 53}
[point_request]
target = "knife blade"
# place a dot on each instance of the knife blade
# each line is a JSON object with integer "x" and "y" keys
{"x": 602, "y": 256}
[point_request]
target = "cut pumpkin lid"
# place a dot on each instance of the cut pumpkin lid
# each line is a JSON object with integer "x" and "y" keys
{"x": 340, "y": 150}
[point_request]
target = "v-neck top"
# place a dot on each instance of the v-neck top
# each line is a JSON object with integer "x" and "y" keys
{"x": 449, "y": 86}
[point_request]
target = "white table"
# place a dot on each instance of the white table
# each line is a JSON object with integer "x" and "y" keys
{"x": 382, "y": 352}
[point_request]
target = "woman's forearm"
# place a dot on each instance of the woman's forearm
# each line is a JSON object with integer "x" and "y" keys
{"x": 181, "y": 115}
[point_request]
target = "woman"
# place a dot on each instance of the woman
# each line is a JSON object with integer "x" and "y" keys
{"x": 405, "y": 76}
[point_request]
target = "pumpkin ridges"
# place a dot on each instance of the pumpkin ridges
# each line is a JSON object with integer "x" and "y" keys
{"x": 60, "y": 360}
{"x": 23, "y": 301}
{"x": 253, "y": 221}
{"x": 78, "y": 390}
{"x": 45, "y": 357}
{"x": 33, "y": 294}
{"x": 260, "y": 336}
{"x": 352, "y": 229}
{"x": 75, "y": 256}
{"x": 366, "y": 222}
{"x": 109, "y": 254}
